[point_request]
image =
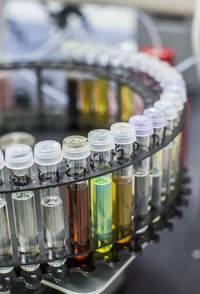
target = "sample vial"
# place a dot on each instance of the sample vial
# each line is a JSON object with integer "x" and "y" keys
{"x": 124, "y": 137}
{"x": 5, "y": 235}
{"x": 76, "y": 152}
{"x": 101, "y": 144}
{"x": 177, "y": 102}
{"x": 167, "y": 150}
{"x": 144, "y": 130}
{"x": 19, "y": 159}
{"x": 127, "y": 102}
{"x": 159, "y": 120}
{"x": 48, "y": 156}
{"x": 109, "y": 87}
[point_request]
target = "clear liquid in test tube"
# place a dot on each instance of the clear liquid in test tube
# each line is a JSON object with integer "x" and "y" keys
{"x": 144, "y": 130}
{"x": 124, "y": 138}
{"x": 159, "y": 119}
{"x": 167, "y": 150}
{"x": 5, "y": 235}
{"x": 48, "y": 156}
{"x": 19, "y": 160}
{"x": 101, "y": 144}
{"x": 178, "y": 104}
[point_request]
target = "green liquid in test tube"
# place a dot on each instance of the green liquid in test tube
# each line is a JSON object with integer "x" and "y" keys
{"x": 101, "y": 145}
{"x": 101, "y": 189}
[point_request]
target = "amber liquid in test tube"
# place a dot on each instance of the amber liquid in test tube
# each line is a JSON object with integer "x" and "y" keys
{"x": 48, "y": 156}
{"x": 144, "y": 130}
{"x": 76, "y": 153}
{"x": 124, "y": 137}
{"x": 159, "y": 120}
{"x": 5, "y": 235}
{"x": 19, "y": 159}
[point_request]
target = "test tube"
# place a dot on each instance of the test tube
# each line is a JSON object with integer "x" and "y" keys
{"x": 127, "y": 102}
{"x": 5, "y": 236}
{"x": 19, "y": 159}
{"x": 101, "y": 144}
{"x": 124, "y": 137}
{"x": 76, "y": 152}
{"x": 48, "y": 156}
{"x": 144, "y": 130}
{"x": 159, "y": 120}
{"x": 167, "y": 150}
{"x": 177, "y": 102}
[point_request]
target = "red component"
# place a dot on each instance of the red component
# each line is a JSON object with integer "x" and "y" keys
{"x": 163, "y": 53}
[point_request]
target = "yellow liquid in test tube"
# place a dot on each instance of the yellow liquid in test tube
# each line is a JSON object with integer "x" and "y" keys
{"x": 127, "y": 107}
{"x": 122, "y": 208}
{"x": 86, "y": 94}
{"x": 101, "y": 204}
{"x": 101, "y": 88}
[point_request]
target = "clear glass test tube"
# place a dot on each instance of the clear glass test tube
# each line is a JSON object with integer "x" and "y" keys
{"x": 178, "y": 104}
{"x": 144, "y": 130}
{"x": 6, "y": 251}
{"x": 19, "y": 159}
{"x": 159, "y": 119}
{"x": 124, "y": 138}
{"x": 48, "y": 156}
{"x": 101, "y": 87}
{"x": 76, "y": 153}
{"x": 167, "y": 150}
{"x": 127, "y": 102}
{"x": 101, "y": 144}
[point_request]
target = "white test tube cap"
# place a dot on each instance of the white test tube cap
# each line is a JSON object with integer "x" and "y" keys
{"x": 168, "y": 107}
{"x": 143, "y": 125}
{"x": 101, "y": 140}
{"x": 174, "y": 99}
{"x": 123, "y": 133}
{"x": 75, "y": 147}
{"x": 19, "y": 156}
{"x": 48, "y": 152}
{"x": 1, "y": 159}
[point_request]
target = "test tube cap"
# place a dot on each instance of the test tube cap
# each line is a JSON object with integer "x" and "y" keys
{"x": 123, "y": 133}
{"x": 19, "y": 156}
{"x": 158, "y": 116}
{"x": 168, "y": 107}
{"x": 174, "y": 99}
{"x": 143, "y": 125}
{"x": 48, "y": 152}
{"x": 75, "y": 147}
{"x": 101, "y": 140}
{"x": 1, "y": 159}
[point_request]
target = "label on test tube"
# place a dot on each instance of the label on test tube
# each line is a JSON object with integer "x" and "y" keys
{"x": 19, "y": 159}
{"x": 124, "y": 137}
{"x": 101, "y": 145}
{"x": 48, "y": 155}
{"x": 76, "y": 153}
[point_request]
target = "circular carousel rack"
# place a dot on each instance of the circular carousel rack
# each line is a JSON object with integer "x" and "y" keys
{"x": 150, "y": 91}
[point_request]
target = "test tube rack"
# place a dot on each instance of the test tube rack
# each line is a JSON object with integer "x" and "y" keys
{"x": 150, "y": 90}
